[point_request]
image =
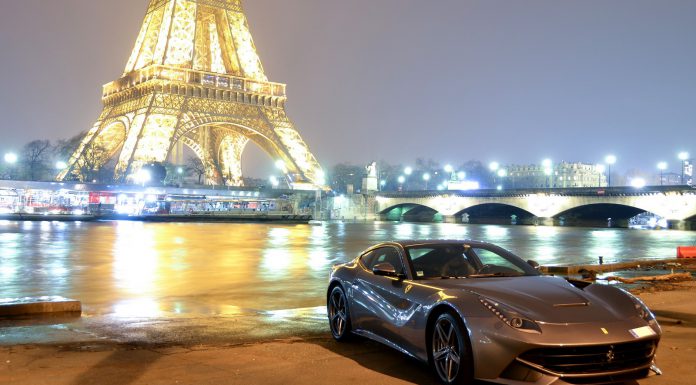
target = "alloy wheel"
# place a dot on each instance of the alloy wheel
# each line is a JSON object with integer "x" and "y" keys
{"x": 446, "y": 348}
{"x": 338, "y": 313}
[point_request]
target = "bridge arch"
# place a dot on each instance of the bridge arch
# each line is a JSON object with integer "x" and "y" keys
{"x": 496, "y": 213}
{"x": 410, "y": 212}
{"x": 600, "y": 214}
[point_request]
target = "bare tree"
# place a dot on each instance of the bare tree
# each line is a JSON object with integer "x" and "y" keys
{"x": 35, "y": 157}
{"x": 93, "y": 160}
{"x": 195, "y": 165}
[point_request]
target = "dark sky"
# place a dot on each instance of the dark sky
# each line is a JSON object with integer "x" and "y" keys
{"x": 452, "y": 80}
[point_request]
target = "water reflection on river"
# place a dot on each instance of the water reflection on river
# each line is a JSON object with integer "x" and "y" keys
{"x": 151, "y": 269}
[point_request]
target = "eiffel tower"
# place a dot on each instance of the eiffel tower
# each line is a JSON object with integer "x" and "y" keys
{"x": 194, "y": 79}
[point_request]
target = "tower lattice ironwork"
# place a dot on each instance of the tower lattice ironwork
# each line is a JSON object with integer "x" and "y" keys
{"x": 194, "y": 79}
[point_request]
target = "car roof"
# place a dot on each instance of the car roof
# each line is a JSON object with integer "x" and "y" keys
{"x": 434, "y": 242}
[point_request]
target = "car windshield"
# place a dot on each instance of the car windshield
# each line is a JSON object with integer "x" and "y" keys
{"x": 461, "y": 260}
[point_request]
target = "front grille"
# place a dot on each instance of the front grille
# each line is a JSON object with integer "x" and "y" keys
{"x": 595, "y": 359}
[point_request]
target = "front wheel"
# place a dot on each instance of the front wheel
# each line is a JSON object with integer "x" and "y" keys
{"x": 339, "y": 318}
{"x": 450, "y": 351}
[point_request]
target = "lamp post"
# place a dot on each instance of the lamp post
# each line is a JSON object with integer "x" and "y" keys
{"x": 502, "y": 173}
{"x": 401, "y": 181}
{"x": 426, "y": 178}
{"x": 683, "y": 156}
{"x": 662, "y": 166}
{"x": 548, "y": 170}
{"x": 600, "y": 170}
{"x": 11, "y": 160}
{"x": 450, "y": 170}
{"x": 610, "y": 160}
{"x": 280, "y": 165}
{"x": 494, "y": 166}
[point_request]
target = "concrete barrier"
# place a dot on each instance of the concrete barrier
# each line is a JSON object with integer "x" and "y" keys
{"x": 38, "y": 305}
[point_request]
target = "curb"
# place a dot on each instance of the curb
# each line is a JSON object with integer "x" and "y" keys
{"x": 41, "y": 305}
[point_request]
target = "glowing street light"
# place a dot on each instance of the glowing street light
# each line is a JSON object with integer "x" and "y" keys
{"x": 11, "y": 158}
{"x": 610, "y": 160}
{"x": 274, "y": 181}
{"x": 683, "y": 156}
{"x": 60, "y": 165}
{"x": 143, "y": 176}
{"x": 280, "y": 165}
{"x": 320, "y": 177}
{"x": 494, "y": 166}
{"x": 426, "y": 178}
{"x": 408, "y": 170}
{"x": 502, "y": 173}
{"x": 401, "y": 179}
{"x": 638, "y": 182}
{"x": 662, "y": 166}
{"x": 461, "y": 175}
{"x": 600, "y": 170}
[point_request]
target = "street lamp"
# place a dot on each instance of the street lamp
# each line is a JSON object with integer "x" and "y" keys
{"x": 274, "y": 181}
{"x": 600, "y": 170}
{"x": 408, "y": 170}
{"x": 60, "y": 165}
{"x": 450, "y": 170}
{"x": 426, "y": 178}
{"x": 11, "y": 158}
{"x": 638, "y": 182}
{"x": 461, "y": 175}
{"x": 401, "y": 181}
{"x": 610, "y": 160}
{"x": 662, "y": 166}
{"x": 494, "y": 166}
{"x": 547, "y": 172}
{"x": 683, "y": 156}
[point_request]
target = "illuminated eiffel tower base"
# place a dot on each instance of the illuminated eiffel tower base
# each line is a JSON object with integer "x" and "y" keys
{"x": 194, "y": 79}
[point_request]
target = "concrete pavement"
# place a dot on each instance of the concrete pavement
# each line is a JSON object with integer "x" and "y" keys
{"x": 308, "y": 360}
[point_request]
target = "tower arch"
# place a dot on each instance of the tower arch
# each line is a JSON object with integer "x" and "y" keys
{"x": 195, "y": 67}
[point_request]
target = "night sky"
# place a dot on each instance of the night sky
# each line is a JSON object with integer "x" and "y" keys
{"x": 452, "y": 80}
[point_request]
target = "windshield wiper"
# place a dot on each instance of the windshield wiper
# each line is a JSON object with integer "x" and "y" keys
{"x": 486, "y": 275}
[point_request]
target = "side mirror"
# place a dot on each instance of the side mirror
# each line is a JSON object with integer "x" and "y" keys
{"x": 534, "y": 264}
{"x": 386, "y": 269}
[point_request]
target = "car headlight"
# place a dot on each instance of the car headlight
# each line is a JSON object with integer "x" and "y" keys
{"x": 641, "y": 309}
{"x": 510, "y": 317}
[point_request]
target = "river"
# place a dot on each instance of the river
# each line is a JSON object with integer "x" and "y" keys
{"x": 127, "y": 269}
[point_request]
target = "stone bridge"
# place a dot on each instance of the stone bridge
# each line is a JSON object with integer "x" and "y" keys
{"x": 606, "y": 206}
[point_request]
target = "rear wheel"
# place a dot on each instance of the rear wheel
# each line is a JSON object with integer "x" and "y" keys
{"x": 339, "y": 318}
{"x": 450, "y": 351}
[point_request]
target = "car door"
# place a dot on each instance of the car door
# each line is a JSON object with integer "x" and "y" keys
{"x": 380, "y": 304}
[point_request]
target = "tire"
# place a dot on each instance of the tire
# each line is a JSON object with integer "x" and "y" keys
{"x": 450, "y": 351}
{"x": 339, "y": 316}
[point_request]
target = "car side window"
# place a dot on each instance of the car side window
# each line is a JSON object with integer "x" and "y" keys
{"x": 491, "y": 258}
{"x": 382, "y": 255}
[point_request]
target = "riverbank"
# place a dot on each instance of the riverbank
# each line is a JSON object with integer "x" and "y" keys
{"x": 285, "y": 360}
{"x": 202, "y": 217}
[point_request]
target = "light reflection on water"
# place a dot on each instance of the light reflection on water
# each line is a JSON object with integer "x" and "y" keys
{"x": 133, "y": 269}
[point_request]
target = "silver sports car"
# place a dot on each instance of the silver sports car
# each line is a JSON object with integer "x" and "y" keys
{"x": 476, "y": 311}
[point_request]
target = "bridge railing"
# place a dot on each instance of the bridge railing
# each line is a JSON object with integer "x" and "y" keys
{"x": 576, "y": 191}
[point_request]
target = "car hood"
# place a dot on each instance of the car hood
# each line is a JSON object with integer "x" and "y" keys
{"x": 547, "y": 299}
